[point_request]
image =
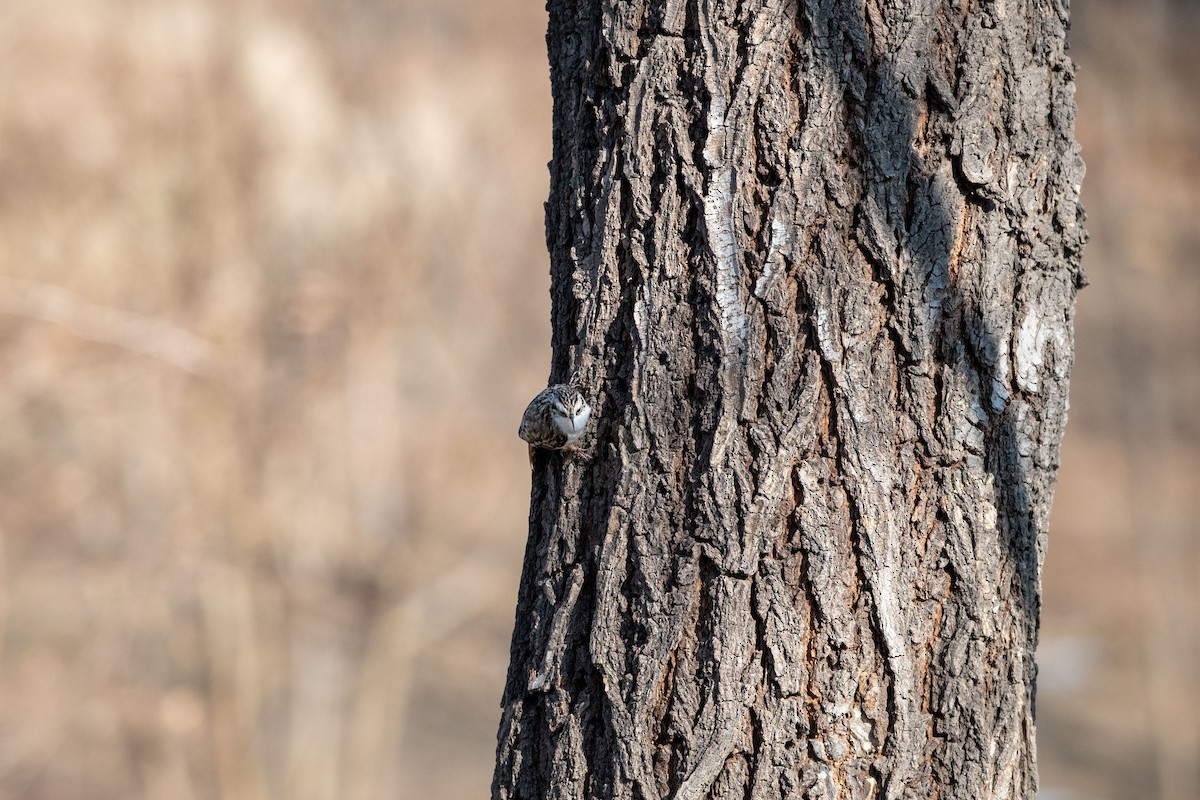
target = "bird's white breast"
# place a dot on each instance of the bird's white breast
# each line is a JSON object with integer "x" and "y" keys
{"x": 572, "y": 427}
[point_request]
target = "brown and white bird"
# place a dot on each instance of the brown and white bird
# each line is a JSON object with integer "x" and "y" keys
{"x": 555, "y": 419}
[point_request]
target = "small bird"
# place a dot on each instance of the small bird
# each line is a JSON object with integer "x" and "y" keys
{"x": 555, "y": 419}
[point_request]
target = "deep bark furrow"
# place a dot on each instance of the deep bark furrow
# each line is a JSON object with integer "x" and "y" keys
{"x": 815, "y": 264}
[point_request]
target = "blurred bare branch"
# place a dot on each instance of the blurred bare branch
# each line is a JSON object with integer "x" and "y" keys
{"x": 147, "y": 336}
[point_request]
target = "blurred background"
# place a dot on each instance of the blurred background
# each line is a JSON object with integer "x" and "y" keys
{"x": 273, "y": 294}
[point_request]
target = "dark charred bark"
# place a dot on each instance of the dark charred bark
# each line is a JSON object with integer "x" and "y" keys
{"x": 815, "y": 264}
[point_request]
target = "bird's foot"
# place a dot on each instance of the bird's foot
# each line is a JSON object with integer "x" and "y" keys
{"x": 577, "y": 452}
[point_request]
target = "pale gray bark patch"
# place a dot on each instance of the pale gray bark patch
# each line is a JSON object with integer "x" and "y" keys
{"x": 816, "y": 265}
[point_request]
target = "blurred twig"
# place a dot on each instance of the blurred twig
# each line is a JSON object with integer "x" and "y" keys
{"x": 148, "y": 336}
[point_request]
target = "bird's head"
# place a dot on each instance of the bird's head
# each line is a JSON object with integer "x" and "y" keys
{"x": 571, "y": 407}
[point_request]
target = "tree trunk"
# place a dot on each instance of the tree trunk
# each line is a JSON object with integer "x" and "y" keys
{"x": 815, "y": 267}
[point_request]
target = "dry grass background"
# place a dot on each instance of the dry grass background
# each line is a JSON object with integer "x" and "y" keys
{"x": 272, "y": 297}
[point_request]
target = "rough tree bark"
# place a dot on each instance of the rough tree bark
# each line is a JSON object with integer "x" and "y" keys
{"x": 816, "y": 263}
